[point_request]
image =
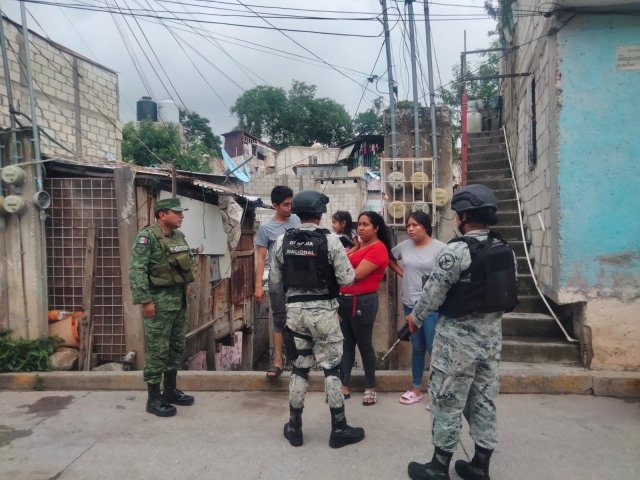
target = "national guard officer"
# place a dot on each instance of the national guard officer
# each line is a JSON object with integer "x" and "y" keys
{"x": 473, "y": 284}
{"x": 312, "y": 264}
{"x": 160, "y": 271}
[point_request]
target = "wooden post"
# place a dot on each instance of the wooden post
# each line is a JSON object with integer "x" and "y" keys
{"x": 88, "y": 292}
{"x": 127, "y": 231}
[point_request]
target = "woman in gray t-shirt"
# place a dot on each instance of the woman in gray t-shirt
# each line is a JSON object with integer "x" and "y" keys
{"x": 418, "y": 255}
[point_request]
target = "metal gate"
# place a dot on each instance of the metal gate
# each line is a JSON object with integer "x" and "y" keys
{"x": 76, "y": 203}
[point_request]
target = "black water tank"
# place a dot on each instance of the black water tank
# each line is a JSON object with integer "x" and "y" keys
{"x": 147, "y": 108}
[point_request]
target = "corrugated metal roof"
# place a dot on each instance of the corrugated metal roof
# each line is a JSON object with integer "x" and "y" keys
{"x": 96, "y": 162}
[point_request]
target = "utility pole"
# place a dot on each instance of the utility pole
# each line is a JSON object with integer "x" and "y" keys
{"x": 32, "y": 98}
{"x": 7, "y": 76}
{"x": 432, "y": 97}
{"x": 392, "y": 96}
{"x": 37, "y": 164}
{"x": 414, "y": 75}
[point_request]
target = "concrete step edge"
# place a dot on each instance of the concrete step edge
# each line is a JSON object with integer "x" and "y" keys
{"x": 541, "y": 378}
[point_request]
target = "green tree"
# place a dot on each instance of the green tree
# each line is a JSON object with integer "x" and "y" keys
{"x": 369, "y": 122}
{"x": 155, "y": 143}
{"x": 197, "y": 130}
{"x": 407, "y": 104}
{"x": 476, "y": 89}
{"x": 295, "y": 117}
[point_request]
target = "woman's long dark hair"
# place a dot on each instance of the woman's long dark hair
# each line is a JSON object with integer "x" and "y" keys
{"x": 342, "y": 216}
{"x": 382, "y": 233}
{"x": 424, "y": 220}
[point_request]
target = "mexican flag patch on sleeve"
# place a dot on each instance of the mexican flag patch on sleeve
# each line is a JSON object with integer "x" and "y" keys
{"x": 143, "y": 240}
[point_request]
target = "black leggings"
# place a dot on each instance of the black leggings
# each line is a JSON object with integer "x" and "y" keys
{"x": 357, "y": 329}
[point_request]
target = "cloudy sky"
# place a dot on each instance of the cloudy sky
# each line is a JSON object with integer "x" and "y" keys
{"x": 95, "y": 35}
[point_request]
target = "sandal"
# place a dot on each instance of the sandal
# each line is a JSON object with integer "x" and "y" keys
{"x": 410, "y": 398}
{"x": 369, "y": 396}
{"x": 277, "y": 371}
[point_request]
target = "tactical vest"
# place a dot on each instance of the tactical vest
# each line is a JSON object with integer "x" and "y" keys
{"x": 492, "y": 285}
{"x": 306, "y": 264}
{"x": 174, "y": 268}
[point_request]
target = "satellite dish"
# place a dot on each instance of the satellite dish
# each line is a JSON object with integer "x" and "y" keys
{"x": 241, "y": 173}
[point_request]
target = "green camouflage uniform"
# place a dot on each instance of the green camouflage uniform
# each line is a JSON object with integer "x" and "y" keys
{"x": 465, "y": 359}
{"x": 164, "y": 334}
{"x": 317, "y": 319}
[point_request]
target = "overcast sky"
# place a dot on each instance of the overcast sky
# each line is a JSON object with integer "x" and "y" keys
{"x": 98, "y": 38}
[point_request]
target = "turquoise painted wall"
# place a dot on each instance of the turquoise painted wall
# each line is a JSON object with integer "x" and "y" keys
{"x": 599, "y": 156}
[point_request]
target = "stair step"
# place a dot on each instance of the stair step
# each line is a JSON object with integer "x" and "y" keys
{"x": 539, "y": 350}
{"x": 488, "y": 165}
{"x": 508, "y": 219}
{"x": 510, "y": 233}
{"x": 508, "y": 205}
{"x": 495, "y": 184}
{"x": 523, "y": 266}
{"x": 483, "y": 175}
{"x": 483, "y": 142}
{"x": 526, "y": 285}
{"x": 505, "y": 193}
{"x": 530, "y": 304}
{"x": 537, "y": 325}
{"x": 483, "y": 157}
{"x": 492, "y": 147}
{"x": 488, "y": 133}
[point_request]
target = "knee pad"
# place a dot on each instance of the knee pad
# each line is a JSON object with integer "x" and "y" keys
{"x": 333, "y": 372}
{"x": 301, "y": 372}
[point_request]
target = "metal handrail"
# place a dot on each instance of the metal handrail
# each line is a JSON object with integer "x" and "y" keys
{"x": 526, "y": 251}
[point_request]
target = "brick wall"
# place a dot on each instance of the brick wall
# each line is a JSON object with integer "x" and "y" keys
{"x": 535, "y": 180}
{"x": 84, "y": 117}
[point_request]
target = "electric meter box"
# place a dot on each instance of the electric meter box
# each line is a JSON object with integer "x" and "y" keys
{"x": 13, "y": 175}
{"x": 14, "y": 204}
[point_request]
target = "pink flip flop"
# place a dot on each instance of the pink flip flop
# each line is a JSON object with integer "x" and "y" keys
{"x": 410, "y": 398}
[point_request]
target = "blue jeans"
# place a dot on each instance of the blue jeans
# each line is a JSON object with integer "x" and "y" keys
{"x": 421, "y": 343}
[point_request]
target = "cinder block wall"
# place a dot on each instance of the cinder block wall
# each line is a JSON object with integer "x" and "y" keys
{"x": 76, "y": 100}
{"x": 536, "y": 180}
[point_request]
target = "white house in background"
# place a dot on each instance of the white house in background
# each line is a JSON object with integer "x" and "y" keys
{"x": 316, "y": 154}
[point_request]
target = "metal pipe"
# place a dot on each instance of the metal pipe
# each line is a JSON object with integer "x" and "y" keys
{"x": 504, "y": 75}
{"x": 24, "y": 281}
{"x": 43, "y": 275}
{"x": 414, "y": 76}
{"x": 488, "y": 50}
{"x": 7, "y": 76}
{"x": 463, "y": 139}
{"x": 392, "y": 97}
{"x": 432, "y": 95}
{"x": 32, "y": 98}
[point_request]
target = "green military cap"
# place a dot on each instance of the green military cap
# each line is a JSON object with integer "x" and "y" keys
{"x": 170, "y": 203}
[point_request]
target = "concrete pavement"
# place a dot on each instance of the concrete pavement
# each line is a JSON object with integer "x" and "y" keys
{"x": 238, "y": 435}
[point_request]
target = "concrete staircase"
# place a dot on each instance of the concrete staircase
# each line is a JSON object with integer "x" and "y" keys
{"x": 530, "y": 334}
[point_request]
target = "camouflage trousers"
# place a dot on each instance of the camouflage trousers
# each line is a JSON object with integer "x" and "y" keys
{"x": 164, "y": 343}
{"x": 322, "y": 324}
{"x": 463, "y": 380}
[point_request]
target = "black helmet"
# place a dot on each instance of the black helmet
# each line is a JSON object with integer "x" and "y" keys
{"x": 309, "y": 201}
{"x": 473, "y": 197}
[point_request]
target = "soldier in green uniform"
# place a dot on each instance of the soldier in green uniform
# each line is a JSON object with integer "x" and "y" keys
{"x": 160, "y": 272}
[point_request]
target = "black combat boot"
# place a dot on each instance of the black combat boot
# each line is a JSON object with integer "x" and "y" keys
{"x": 478, "y": 467}
{"x": 436, "y": 469}
{"x": 293, "y": 428}
{"x": 172, "y": 394}
{"x": 341, "y": 433}
{"x": 156, "y": 403}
